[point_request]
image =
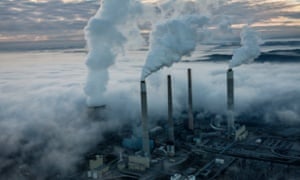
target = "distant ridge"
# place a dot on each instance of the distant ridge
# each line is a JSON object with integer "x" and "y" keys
{"x": 270, "y": 56}
{"x": 41, "y": 45}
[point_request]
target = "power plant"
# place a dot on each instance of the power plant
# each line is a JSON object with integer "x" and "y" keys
{"x": 172, "y": 149}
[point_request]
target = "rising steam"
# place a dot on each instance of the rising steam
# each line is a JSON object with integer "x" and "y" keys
{"x": 171, "y": 40}
{"x": 250, "y": 49}
{"x": 104, "y": 40}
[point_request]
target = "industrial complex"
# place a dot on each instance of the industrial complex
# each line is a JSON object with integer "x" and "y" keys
{"x": 190, "y": 148}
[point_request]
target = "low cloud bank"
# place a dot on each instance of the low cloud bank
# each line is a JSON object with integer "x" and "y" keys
{"x": 46, "y": 127}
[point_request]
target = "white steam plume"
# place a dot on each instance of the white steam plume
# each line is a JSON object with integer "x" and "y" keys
{"x": 250, "y": 49}
{"x": 104, "y": 40}
{"x": 172, "y": 40}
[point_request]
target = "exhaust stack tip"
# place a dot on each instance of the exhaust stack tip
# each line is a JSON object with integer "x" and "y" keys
{"x": 143, "y": 86}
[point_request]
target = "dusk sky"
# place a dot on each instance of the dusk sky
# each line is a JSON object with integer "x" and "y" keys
{"x": 70, "y": 88}
{"x": 64, "y": 20}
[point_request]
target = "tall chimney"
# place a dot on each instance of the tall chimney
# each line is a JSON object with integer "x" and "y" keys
{"x": 146, "y": 143}
{"x": 170, "y": 111}
{"x": 190, "y": 101}
{"x": 230, "y": 102}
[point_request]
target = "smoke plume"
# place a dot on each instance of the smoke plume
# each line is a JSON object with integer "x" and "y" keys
{"x": 250, "y": 49}
{"x": 105, "y": 40}
{"x": 171, "y": 40}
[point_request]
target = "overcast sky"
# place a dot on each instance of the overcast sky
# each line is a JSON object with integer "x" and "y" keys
{"x": 54, "y": 20}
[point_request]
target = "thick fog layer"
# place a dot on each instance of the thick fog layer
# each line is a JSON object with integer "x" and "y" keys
{"x": 46, "y": 127}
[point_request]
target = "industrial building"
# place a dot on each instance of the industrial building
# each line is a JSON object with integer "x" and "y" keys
{"x": 190, "y": 148}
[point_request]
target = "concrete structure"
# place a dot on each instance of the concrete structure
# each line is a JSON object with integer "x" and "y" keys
{"x": 191, "y": 177}
{"x": 182, "y": 177}
{"x": 241, "y": 133}
{"x": 170, "y": 148}
{"x": 96, "y": 168}
{"x": 230, "y": 103}
{"x": 138, "y": 163}
{"x": 219, "y": 161}
{"x": 190, "y": 101}
{"x": 121, "y": 163}
{"x": 93, "y": 164}
{"x": 170, "y": 111}
{"x": 176, "y": 177}
{"x": 146, "y": 142}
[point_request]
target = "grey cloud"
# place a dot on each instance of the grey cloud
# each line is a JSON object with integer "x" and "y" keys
{"x": 295, "y": 15}
{"x": 243, "y": 12}
{"x": 53, "y": 17}
{"x": 65, "y": 21}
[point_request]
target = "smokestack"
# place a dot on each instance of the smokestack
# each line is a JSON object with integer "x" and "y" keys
{"x": 146, "y": 145}
{"x": 190, "y": 101}
{"x": 170, "y": 111}
{"x": 230, "y": 102}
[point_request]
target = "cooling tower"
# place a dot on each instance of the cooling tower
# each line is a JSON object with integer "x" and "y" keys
{"x": 230, "y": 102}
{"x": 146, "y": 146}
